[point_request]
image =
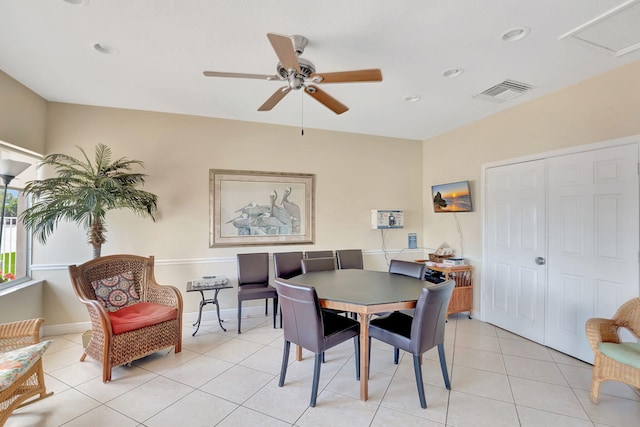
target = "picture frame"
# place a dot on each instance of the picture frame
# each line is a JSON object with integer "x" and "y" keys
{"x": 451, "y": 197}
{"x": 260, "y": 208}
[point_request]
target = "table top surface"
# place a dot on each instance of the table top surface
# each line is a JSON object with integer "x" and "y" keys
{"x": 362, "y": 287}
{"x": 202, "y": 284}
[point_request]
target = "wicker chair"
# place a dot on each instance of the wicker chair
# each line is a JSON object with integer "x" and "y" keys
{"x": 607, "y": 348}
{"x": 13, "y": 336}
{"x": 155, "y": 325}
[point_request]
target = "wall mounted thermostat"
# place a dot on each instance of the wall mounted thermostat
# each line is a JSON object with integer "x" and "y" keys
{"x": 382, "y": 219}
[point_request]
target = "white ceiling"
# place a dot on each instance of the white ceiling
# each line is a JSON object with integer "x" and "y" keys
{"x": 163, "y": 46}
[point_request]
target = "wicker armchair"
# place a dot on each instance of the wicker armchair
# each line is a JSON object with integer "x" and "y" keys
{"x": 609, "y": 351}
{"x": 149, "y": 326}
{"x": 13, "y": 336}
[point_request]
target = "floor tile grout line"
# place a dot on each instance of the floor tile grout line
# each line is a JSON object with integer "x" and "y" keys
{"x": 269, "y": 344}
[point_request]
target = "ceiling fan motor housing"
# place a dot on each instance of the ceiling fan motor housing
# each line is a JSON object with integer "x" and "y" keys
{"x": 306, "y": 69}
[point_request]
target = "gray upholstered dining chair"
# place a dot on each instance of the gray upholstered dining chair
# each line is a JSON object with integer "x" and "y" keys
{"x": 349, "y": 258}
{"x": 310, "y": 327}
{"x": 407, "y": 268}
{"x": 253, "y": 283}
{"x": 322, "y": 264}
{"x": 318, "y": 254}
{"x": 318, "y": 264}
{"x": 287, "y": 264}
{"x": 418, "y": 333}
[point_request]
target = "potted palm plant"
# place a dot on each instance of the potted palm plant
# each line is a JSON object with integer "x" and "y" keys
{"x": 83, "y": 191}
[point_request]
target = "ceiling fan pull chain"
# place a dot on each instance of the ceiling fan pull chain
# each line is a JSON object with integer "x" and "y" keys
{"x": 301, "y": 115}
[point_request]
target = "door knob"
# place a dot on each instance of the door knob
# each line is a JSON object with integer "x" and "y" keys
{"x": 540, "y": 260}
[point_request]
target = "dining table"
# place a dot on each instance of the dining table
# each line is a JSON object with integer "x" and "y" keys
{"x": 364, "y": 292}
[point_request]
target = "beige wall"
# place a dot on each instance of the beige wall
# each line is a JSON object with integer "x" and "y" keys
{"x": 599, "y": 109}
{"x": 354, "y": 174}
{"x": 22, "y": 115}
{"x": 22, "y": 302}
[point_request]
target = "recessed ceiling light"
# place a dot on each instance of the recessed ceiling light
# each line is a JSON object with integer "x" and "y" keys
{"x": 515, "y": 34}
{"x": 452, "y": 72}
{"x": 105, "y": 48}
{"x": 412, "y": 98}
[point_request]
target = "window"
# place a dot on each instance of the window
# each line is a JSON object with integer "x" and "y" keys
{"x": 14, "y": 240}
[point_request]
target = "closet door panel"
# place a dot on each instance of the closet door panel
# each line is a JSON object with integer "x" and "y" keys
{"x": 514, "y": 288}
{"x": 592, "y": 201}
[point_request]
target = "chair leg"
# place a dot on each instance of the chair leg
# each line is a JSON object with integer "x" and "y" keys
{"x": 316, "y": 379}
{"x": 356, "y": 344}
{"x": 418, "y": 370}
{"x": 106, "y": 367}
{"x": 396, "y": 355}
{"x": 106, "y": 373}
{"x": 595, "y": 390}
{"x": 285, "y": 362}
{"x": 275, "y": 311}
{"x": 266, "y": 307}
{"x": 239, "y": 315}
{"x": 368, "y": 359}
{"x": 443, "y": 366}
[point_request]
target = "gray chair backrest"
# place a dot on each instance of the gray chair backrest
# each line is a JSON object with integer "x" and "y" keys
{"x": 318, "y": 254}
{"x": 349, "y": 258}
{"x": 301, "y": 315}
{"x": 407, "y": 268}
{"x": 318, "y": 264}
{"x": 287, "y": 264}
{"x": 430, "y": 316}
{"x": 253, "y": 269}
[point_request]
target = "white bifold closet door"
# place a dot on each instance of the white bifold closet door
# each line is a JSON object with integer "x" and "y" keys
{"x": 562, "y": 244}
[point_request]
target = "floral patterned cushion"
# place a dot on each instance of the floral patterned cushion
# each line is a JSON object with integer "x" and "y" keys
{"x": 116, "y": 292}
{"x": 15, "y": 363}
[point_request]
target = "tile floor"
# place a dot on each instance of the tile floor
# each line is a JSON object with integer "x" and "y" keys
{"x": 225, "y": 379}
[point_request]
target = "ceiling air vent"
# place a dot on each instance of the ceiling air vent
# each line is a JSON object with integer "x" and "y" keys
{"x": 616, "y": 32}
{"x": 504, "y": 91}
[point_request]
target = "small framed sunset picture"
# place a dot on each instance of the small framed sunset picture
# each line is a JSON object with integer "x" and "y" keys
{"x": 451, "y": 197}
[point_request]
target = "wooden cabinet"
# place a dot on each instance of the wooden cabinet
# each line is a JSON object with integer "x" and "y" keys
{"x": 462, "y": 297}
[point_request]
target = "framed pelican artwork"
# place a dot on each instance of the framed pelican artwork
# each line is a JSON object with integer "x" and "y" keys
{"x": 260, "y": 208}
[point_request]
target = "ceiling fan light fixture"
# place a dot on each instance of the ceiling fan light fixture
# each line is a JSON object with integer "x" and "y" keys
{"x": 105, "y": 49}
{"x": 295, "y": 81}
{"x": 452, "y": 72}
{"x": 515, "y": 34}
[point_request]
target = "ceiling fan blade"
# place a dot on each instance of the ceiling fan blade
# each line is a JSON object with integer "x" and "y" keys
{"x": 372, "y": 75}
{"x": 240, "y": 75}
{"x": 275, "y": 98}
{"x": 326, "y": 99}
{"x": 283, "y": 46}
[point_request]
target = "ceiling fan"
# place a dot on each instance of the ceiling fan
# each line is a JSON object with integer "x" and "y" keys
{"x": 299, "y": 73}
